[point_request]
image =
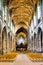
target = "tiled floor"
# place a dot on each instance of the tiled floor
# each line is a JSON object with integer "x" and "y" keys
{"x": 21, "y": 59}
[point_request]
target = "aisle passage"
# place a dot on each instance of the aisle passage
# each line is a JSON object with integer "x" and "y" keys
{"x": 21, "y": 59}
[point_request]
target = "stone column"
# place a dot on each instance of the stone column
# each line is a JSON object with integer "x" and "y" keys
{"x": 15, "y": 43}
{"x": 36, "y": 42}
{"x": 37, "y": 48}
{"x": 39, "y": 41}
{"x": 42, "y": 20}
{"x": 10, "y": 43}
{"x": 35, "y": 24}
{"x": 33, "y": 44}
{"x": 1, "y": 5}
{"x": 41, "y": 5}
{"x": 6, "y": 14}
{"x": 42, "y": 41}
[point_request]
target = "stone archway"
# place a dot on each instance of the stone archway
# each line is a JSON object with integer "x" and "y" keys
{"x": 4, "y": 40}
{"x": 21, "y": 38}
{"x": 40, "y": 39}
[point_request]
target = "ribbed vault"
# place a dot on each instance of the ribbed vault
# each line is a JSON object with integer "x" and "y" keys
{"x": 21, "y": 12}
{"x": 22, "y": 32}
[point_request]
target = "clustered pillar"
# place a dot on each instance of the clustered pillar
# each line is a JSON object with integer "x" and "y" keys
{"x": 6, "y": 33}
{"x": 36, "y": 30}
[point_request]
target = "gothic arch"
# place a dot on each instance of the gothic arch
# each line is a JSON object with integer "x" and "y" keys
{"x": 4, "y": 40}
{"x": 40, "y": 37}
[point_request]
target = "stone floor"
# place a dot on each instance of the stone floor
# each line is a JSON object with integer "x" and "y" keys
{"x": 21, "y": 59}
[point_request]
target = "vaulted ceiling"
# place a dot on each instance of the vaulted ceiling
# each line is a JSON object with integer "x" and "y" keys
{"x": 22, "y": 11}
